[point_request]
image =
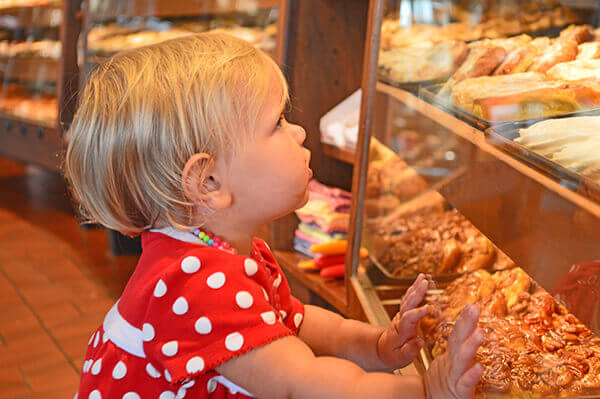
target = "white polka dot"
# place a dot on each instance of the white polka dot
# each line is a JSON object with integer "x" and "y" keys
{"x": 211, "y": 385}
{"x": 96, "y": 339}
{"x": 297, "y": 319}
{"x": 76, "y": 395}
{"x": 147, "y": 332}
{"x": 283, "y": 314}
{"x": 131, "y": 395}
{"x": 95, "y": 394}
{"x": 97, "y": 367}
{"x": 181, "y": 392}
{"x": 168, "y": 376}
{"x": 190, "y": 265}
{"x": 194, "y": 365}
{"x": 170, "y": 348}
{"x": 269, "y": 317}
{"x": 104, "y": 338}
{"x": 86, "y": 365}
{"x": 160, "y": 289}
{"x": 180, "y": 306}
{"x": 234, "y": 341}
{"x": 203, "y": 325}
{"x": 243, "y": 299}
{"x": 265, "y": 293}
{"x": 268, "y": 247}
{"x": 277, "y": 281}
{"x": 250, "y": 266}
{"x": 167, "y": 395}
{"x": 216, "y": 280}
{"x": 152, "y": 372}
{"x": 189, "y": 384}
{"x": 119, "y": 371}
{"x": 92, "y": 338}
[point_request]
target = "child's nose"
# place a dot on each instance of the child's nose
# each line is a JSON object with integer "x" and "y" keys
{"x": 300, "y": 134}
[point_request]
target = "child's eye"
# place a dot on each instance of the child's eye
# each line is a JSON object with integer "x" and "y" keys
{"x": 280, "y": 122}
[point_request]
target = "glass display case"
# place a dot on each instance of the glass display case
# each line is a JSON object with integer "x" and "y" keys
{"x": 477, "y": 164}
{"x": 116, "y": 25}
{"x": 35, "y": 75}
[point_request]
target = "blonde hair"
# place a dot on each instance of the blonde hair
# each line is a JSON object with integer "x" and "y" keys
{"x": 145, "y": 112}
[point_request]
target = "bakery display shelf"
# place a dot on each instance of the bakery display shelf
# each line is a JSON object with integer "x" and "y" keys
{"x": 30, "y": 141}
{"x": 341, "y": 154}
{"x": 49, "y": 15}
{"x": 332, "y": 291}
{"x": 174, "y": 8}
{"x": 30, "y": 69}
{"x": 477, "y": 137}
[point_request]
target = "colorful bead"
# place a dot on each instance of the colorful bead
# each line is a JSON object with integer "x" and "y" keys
{"x": 212, "y": 240}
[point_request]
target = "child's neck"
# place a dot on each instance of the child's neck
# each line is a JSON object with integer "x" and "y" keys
{"x": 237, "y": 237}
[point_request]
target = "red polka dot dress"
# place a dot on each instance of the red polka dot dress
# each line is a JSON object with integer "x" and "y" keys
{"x": 187, "y": 309}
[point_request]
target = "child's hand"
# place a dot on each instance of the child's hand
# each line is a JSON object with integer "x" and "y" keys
{"x": 398, "y": 345}
{"x": 453, "y": 374}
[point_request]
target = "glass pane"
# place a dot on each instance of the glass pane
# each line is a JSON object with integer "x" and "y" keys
{"x": 482, "y": 162}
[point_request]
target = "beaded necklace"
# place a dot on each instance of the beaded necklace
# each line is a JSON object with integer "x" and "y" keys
{"x": 214, "y": 241}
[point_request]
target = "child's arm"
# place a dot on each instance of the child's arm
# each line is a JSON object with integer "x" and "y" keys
{"x": 287, "y": 368}
{"x": 372, "y": 348}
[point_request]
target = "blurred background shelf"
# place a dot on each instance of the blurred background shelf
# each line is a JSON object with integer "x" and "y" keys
{"x": 49, "y": 15}
{"x": 105, "y": 10}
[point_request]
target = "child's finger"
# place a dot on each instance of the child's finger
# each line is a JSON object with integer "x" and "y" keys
{"x": 417, "y": 281}
{"x": 465, "y": 386}
{"x": 463, "y": 359}
{"x": 464, "y": 327}
{"x": 407, "y": 325}
{"x": 415, "y": 297}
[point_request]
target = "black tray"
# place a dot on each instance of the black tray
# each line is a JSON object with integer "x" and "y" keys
{"x": 412, "y": 87}
{"x": 503, "y": 136}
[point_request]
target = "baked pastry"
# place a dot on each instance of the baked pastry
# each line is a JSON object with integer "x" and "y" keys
{"x": 581, "y": 69}
{"x": 579, "y": 33}
{"x": 534, "y": 102}
{"x": 481, "y": 61}
{"x": 532, "y": 347}
{"x": 559, "y": 51}
{"x": 434, "y": 242}
{"x": 423, "y": 61}
{"x": 466, "y": 92}
{"x": 572, "y": 142}
{"x": 588, "y": 51}
{"x": 517, "y": 61}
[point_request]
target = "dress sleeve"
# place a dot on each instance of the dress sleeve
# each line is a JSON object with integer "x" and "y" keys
{"x": 207, "y": 308}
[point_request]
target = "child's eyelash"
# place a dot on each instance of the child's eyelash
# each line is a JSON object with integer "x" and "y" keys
{"x": 280, "y": 121}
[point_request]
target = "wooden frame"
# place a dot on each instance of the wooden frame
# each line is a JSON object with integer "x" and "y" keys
{"x": 323, "y": 64}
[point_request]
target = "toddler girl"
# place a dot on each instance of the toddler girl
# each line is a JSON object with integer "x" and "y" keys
{"x": 185, "y": 142}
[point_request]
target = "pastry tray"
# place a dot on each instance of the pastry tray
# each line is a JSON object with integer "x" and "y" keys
{"x": 429, "y": 94}
{"x": 379, "y": 275}
{"x": 412, "y": 87}
{"x": 503, "y": 136}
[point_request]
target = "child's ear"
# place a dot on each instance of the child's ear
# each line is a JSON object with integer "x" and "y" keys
{"x": 203, "y": 183}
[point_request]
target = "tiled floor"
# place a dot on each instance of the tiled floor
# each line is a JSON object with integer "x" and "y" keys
{"x": 56, "y": 282}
